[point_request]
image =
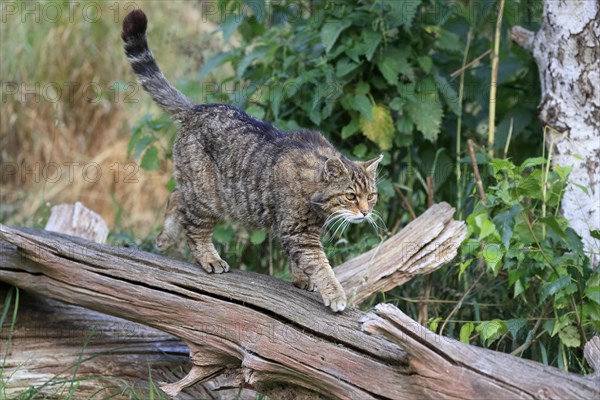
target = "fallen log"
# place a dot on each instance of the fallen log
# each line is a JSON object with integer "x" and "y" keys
{"x": 75, "y": 219}
{"x": 259, "y": 332}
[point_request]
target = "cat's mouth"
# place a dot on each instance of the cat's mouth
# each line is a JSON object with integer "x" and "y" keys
{"x": 358, "y": 218}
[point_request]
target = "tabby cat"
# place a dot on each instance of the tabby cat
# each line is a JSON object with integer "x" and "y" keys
{"x": 229, "y": 164}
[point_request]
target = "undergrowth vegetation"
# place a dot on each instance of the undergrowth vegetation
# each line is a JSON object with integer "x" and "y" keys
{"x": 376, "y": 77}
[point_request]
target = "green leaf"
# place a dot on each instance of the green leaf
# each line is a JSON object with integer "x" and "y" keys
{"x": 229, "y": 25}
{"x": 426, "y": 63}
{"x": 223, "y": 233}
{"x": 213, "y": 63}
{"x": 593, "y": 293}
{"x": 150, "y": 159}
{"x": 390, "y": 69}
{"x": 555, "y": 286}
{"x": 518, "y": 288}
{"x": 276, "y": 97}
{"x": 449, "y": 41}
{"x": 397, "y": 103}
{"x": 532, "y": 162}
{"x": 404, "y": 124}
{"x": 492, "y": 253}
{"x": 570, "y": 336}
{"x": 371, "y": 40}
{"x": 427, "y": 115}
{"x": 543, "y": 353}
{"x": 583, "y": 188}
{"x": 362, "y": 88}
{"x": 553, "y": 224}
{"x": 530, "y": 186}
{"x": 463, "y": 266}
{"x": 141, "y": 145}
{"x": 362, "y": 104}
{"x": 505, "y": 223}
{"x": 448, "y": 92}
{"x": 486, "y": 227}
{"x": 465, "y": 332}
{"x": 344, "y": 67}
{"x": 595, "y": 234}
{"x": 256, "y": 111}
{"x": 549, "y": 325}
{"x": 404, "y": 12}
{"x": 171, "y": 185}
{"x": 255, "y": 54}
{"x": 433, "y": 324}
{"x": 491, "y": 330}
{"x": 257, "y": 237}
{"x": 381, "y": 129}
{"x": 350, "y": 129}
{"x": 331, "y": 31}
{"x": 515, "y": 325}
{"x": 359, "y": 150}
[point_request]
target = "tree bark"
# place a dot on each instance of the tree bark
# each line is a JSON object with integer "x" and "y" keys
{"x": 259, "y": 332}
{"x": 54, "y": 344}
{"x": 566, "y": 50}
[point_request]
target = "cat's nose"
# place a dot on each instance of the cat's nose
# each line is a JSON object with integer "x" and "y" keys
{"x": 364, "y": 212}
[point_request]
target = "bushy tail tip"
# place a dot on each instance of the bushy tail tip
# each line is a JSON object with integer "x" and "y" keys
{"x": 134, "y": 24}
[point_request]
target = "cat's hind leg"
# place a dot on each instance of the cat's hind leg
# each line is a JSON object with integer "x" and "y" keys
{"x": 171, "y": 226}
{"x": 299, "y": 278}
{"x": 199, "y": 230}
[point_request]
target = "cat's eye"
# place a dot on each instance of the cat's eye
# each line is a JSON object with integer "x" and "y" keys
{"x": 372, "y": 196}
{"x": 351, "y": 196}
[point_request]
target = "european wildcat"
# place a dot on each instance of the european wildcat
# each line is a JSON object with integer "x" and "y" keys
{"x": 230, "y": 164}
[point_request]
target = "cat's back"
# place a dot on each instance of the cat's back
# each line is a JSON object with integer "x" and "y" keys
{"x": 224, "y": 130}
{"x": 222, "y": 121}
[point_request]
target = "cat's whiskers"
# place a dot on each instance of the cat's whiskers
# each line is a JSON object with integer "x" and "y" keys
{"x": 373, "y": 218}
{"x": 377, "y": 214}
{"x": 345, "y": 217}
{"x": 332, "y": 220}
{"x": 380, "y": 178}
{"x": 370, "y": 221}
{"x": 344, "y": 225}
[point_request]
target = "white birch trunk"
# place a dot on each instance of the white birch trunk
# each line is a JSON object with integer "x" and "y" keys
{"x": 567, "y": 52}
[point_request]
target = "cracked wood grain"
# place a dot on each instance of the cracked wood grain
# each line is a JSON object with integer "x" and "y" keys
{"x": 252, "y": 331}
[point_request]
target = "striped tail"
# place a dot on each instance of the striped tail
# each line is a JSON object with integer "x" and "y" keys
{"x": 144, "y": 65}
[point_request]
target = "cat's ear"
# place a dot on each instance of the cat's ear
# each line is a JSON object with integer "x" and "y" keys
{"x": 371, "y": 165}
{"x": 334, "y": 169}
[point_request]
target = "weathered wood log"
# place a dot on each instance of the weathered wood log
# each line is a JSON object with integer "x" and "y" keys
{"x": 54, "y": 344}
{"x": 76, "y": 220}
{"x": 421, "y": 247}
{"x": 263, "y": 333}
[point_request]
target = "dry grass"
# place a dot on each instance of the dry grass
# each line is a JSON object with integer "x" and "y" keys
{"x": 61, "y": 126}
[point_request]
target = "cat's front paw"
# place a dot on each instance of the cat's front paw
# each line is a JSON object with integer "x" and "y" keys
{"x": 213, "y": 265}
{"x": 336, "y": 300}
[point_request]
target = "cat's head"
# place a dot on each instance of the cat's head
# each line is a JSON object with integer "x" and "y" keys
{"x": 349, "y": 190}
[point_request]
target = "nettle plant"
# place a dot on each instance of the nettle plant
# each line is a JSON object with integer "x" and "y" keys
{"x": 519, "y": 236}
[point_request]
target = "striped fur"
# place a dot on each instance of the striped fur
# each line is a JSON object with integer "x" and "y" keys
{"x": 231, "y": 165}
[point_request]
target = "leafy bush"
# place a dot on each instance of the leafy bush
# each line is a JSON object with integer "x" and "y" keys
{"x": 520, "y": 235}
